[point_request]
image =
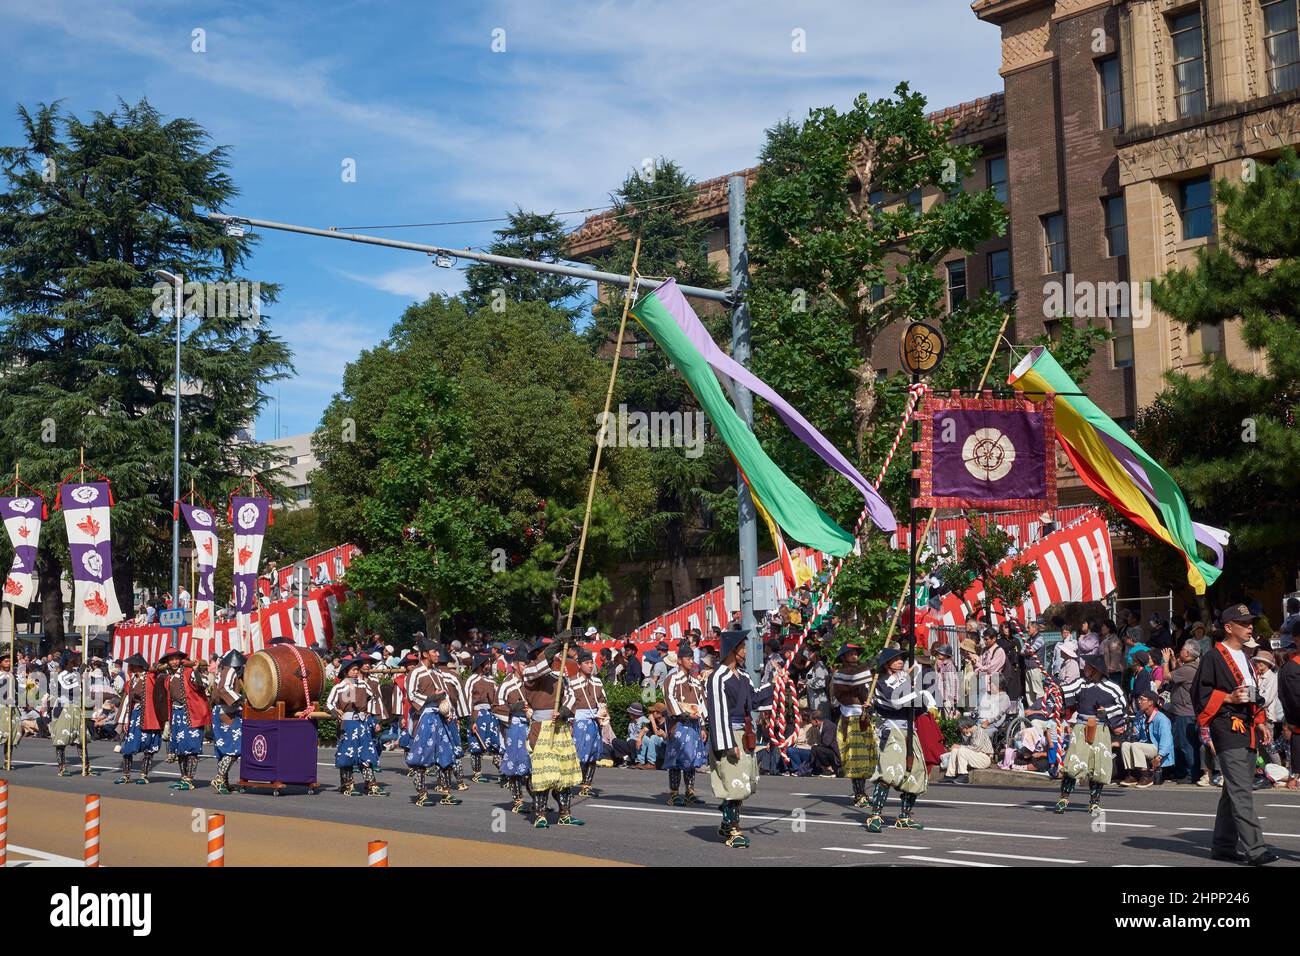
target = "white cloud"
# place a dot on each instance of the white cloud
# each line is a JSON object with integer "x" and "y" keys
{"x": 414, "y": 282}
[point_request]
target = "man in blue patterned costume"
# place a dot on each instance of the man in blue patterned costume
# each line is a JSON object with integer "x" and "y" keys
{"x": 684, "y": 695}
{"x": 131, "y": 720}
{"x": 227, "y": 717}
{"x": 484, "y": 732}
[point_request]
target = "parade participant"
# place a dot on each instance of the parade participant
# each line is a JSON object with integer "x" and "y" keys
{"x": 68, "y": 729}
{"x": 349, "y": 701}
{"x": 1099, "y": 713}
{"x": 484, "y": 732}
{"x": 729, "y": 708}
{"x": 377, "y": 713}
{"x": 188, "y": 713}
{"x": 11, "y": 728}
{"x": 554, "y": 757}
{"x": 513, "y": 713}
{"x": 898, "y": 695}
{"x": 1228, "y": 705}
{"x": 227, "y": 717}
{"x": 1288, "y": 695}
{"x": 684, "y": 694}
{"x": 589, "y": 710}
{"x": 431, "y": 745}
{"x": 131, "y": 720}
{"x": 850, "y": 686}
{"x": 449, "y": 670}
{"x": 405, "y": 714}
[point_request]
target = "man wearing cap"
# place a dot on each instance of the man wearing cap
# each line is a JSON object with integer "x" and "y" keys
{"x": 973, "y": 752}
{"x": 137, "y": 701}
{"x": 947, "y": 680}
{"x": 684, "y": 695}
{"x": 449, "y": 670}
{"x": 1151, "y": 745}
{"x": 632, "y": 673}
{"x": 349, "y": 702}
{"x": 189, "y": 713}
{"x": 227, "y": 716}
{"x": 729, "y": 705}
{"x": 589, "y": 710}
{"x": 1228, "y": 704}
{"x": 554, "y": 757}
{"x": 898, "y": 695}
{"x": 11, "y": 729}
{"x": 484, "y": 732}
{"x": 431, "y": 743}
{"x": 513, "y": 713}
{"x": 1099, "y": 712}
{"x": 68, "y": 728}
{"x": 851, "y": 688}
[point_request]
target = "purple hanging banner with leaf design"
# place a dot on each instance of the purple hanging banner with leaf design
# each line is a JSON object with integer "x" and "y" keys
{"x": 203, "y": 527}
{"x": 250, "y": 518}
{"x": 22, "y": 520}
{"x": 86, "y": 513}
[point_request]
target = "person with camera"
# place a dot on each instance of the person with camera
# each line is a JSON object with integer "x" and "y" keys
{"x": 1228, "y": 704}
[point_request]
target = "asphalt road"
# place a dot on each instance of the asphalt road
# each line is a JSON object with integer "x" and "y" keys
{"x": 791, "y": 821}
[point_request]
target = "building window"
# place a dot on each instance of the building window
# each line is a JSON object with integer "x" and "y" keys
{"x": 1000, "y": 273}
{"x": 1112, "y": 96}
{"x": 914, "y": 200}
{"x": 1281, "y": 45}
{"x": 1212, "y": 339}
{"x": 1054, "y": 243}
{"x": 877, "y": 291}
{"x": 956, "y": 284}
{"x": 1122, "y": 344}
{"x": 997, "y": 173}
{"x": 1116, "y": 226}
{"x": 1189, "y": 62}
{"x": 877, "y": 198}
{"x": 1196, "y": 206}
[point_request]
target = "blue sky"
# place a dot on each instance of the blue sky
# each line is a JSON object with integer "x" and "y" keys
{"x": 441, "y": 127}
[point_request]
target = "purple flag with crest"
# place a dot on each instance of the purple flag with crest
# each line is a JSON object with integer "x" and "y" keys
{"x": 90, "y": 546}
{"x": 987, "y": 453}
{"x": 22, "y": 520}
{"x": 250, "y": 518}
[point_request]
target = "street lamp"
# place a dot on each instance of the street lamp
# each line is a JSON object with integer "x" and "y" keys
{"x": 179, "y": 283}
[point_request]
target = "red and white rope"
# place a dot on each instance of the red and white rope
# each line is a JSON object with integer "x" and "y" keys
{"x": 915, "y": 392}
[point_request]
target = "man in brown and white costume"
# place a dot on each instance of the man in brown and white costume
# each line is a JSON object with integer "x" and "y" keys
{"x": 685, "y": 753}
{"x": 554, "y": 757}
{"x": 449, "y": 670}
{"x": 512, "y": 710}
{"x": 590, "y": 711}
{"x": 423, "y": 682}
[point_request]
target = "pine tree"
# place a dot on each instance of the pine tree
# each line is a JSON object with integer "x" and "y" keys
{"x": 88, "y": 210}
{"x": 530, "y": 235}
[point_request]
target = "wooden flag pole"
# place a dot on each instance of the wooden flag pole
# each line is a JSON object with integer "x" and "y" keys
{"x": 915, "y": 545}
{"x": 193, "y": 579}
{"x": 601, "y": 436}
{"x": 12, "y": 707}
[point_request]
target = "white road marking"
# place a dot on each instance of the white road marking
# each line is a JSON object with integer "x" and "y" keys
{"x": 1158, "y": 813}
{"x": 1012, "y": 856}
{"x": 746, "y": 818}
{"x": 42, "y": 858}
{"x": 1266, "y": 833}
{"x": 896, "y": 846}
{"x": 970, "y": 803}
{"x": 940, "y": 859}
{"x": 849, "y": 849}
{"x": 1019, "y": 836}
{"x": 1135, "y": 826}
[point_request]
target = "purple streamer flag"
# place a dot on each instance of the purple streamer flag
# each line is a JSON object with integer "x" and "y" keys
{"x": 203, "y": 528}
{"x": 249, "y": 516}
{"x": 724, "y": 365}
{"x": 90, "y": 546}
{"x": 22, "y": 520}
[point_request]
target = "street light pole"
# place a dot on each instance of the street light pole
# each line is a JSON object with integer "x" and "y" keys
{"x": 179, "y": 284}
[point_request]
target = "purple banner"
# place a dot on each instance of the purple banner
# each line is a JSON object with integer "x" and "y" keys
{"x": 203, "y": 528}
{"x": 250, "y": 517}
{"x": 86, "y": 513}
{"x": 22, "y": 521}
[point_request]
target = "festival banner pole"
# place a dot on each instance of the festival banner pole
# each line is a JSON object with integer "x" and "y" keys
{"x": 11, "y": 710}
{"x": 85, "y": 665}
{"x": 914, "y": 544}
{"x": 601, "y": 437}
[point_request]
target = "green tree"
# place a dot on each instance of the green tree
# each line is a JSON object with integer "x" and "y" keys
{"x": 655, "y": 204}
{"x": 530, "y": 235}
{"x": 456, "y": 458}
{"x": 88, "y": 210}
{"x": 1228, "y": 436}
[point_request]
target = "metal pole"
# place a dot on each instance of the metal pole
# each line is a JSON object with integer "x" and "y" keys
{"x": 740, "y": 351}
{"x": 592, "y": 275}
{"x": 176, "y": 452}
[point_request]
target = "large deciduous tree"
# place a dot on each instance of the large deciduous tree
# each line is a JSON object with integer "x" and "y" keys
{"x": 88, "y": 209}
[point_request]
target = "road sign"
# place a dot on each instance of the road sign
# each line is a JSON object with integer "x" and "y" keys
{"x": 172, "y": 617}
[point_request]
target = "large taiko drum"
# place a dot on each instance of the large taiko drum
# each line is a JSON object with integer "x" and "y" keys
{"x": 277, "y": 674}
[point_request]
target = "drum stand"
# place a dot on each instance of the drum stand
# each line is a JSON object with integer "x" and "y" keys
{"x": 275, "y": 786}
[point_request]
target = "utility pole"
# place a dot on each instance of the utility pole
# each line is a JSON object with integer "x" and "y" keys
{"x": 179, "y": 285}
{"x": 740, "y": 351}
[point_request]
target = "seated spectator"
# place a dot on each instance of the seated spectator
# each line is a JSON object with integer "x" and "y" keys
{"x": 826, "y": 747}
{"x": 1151, "y": 746}
{"x": 973, "y": 752}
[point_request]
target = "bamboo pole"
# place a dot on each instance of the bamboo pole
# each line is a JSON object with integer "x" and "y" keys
{"x": 916, "y": 545}
{"x": 628, "y": 295}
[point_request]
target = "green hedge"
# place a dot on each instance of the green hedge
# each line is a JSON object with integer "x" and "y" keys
{"x": 620, "y": 696}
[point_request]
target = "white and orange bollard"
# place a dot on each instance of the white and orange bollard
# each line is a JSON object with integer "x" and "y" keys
{"x": 377, "y": 853}
{"x": 4, "y": 823}
{"x": 90, "y": 847}
{"x": 216, "y": 839}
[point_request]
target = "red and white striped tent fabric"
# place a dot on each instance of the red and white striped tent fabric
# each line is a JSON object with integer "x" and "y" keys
{"x": 1074, "y": 564}
{"x": 335, "y": 560}
{"x": 264, "y": 624}
{"x": 1023, "y": 527}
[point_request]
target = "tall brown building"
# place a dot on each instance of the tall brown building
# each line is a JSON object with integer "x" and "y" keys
{"x": 1115, "y": 119}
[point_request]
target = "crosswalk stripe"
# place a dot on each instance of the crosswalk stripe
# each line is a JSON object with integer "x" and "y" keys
{"x": 940, "y": 859}
{"x": 1013, "y": 856}
{"x": 849, "y": 849}
{"x": 1019, "y": 836}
